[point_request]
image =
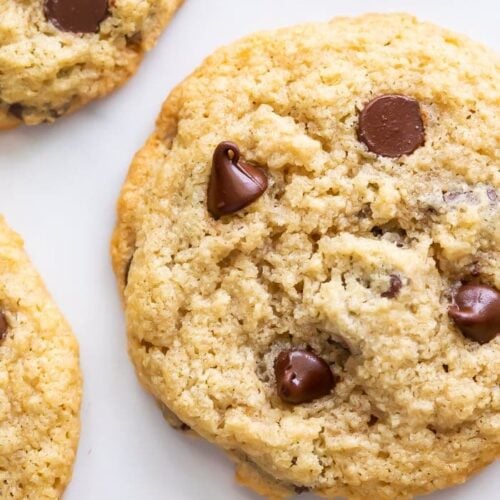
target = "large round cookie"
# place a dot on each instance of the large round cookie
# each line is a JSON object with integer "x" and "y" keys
{"x": 320, "y": 295}
{"x": 40, "y": 382}
{"x": 57, "y": 55}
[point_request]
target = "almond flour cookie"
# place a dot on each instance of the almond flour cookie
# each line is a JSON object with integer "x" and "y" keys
{"x": 40, "y": 383}
{"x": 308, "y": 250}
{"x": 57, "y": 55}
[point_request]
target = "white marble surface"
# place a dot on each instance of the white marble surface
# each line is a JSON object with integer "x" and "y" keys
{"x": 58, "y": 186}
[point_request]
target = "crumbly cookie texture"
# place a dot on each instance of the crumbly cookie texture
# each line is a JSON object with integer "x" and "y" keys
{"x": 348, "y": 253}
{"x": 46, "y": 72}
{"x": 40, "y": 382}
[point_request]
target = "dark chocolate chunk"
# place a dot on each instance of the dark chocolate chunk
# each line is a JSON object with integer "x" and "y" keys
{"x": 77, "y": 16}
{"x": 395, "y": 285}
{"x": 391, "y": 125}
{"x": 302, "y": 376}
{"x": 3, "y": 326}
{"x": 476, "y": 312}
{"x": 16, "y": 110}
{"x": 234, "y": 183}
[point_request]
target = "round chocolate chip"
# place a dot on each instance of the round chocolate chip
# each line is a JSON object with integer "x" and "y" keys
{"x": 77, "y": 16}
{"x": 302, "y": 376}
{"x": 3, "y": 326}
{"x": 391, "y": 125}
{"x": 476, "y": 312}
{"x": 234, "y": 183}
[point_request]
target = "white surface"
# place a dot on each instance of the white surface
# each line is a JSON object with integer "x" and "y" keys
{"x": 58, "y": 187}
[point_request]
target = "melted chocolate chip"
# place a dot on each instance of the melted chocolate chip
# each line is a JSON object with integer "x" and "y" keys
{"x": 16, "y": 110}
{"x": 76, "y": 16}
{"x": 3, "y": 326}
{"x": 302, "y": 376}
{"x": 391, "y": 125}
{"x": 395, "y": 285}
{"x": 476, "y": 312}
{"x": 234, "y": 183}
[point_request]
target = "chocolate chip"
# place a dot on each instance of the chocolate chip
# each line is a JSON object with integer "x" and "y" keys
{"x": 16, "y": 110}
{"x": 301, "y": 489}
{"x": 77, "y": 16}
{"x": 395, "y": 285}
{"x": 3, "y": 326}
{"x": 391, "y": 125}
{"x": 476, "y": 312}
{"x": 302, "y": 376}
{"x": 234, "y": 183}
{"x": 134, "y": 40}
{"x": 373, "y": 420}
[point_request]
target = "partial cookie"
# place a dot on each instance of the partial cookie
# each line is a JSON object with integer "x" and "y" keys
{"x": 40, "y": 382}
{"x": 57, "y": 55}
{"x": 308, "y": 249}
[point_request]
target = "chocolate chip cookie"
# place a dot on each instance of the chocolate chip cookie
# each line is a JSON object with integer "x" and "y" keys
{"x": 308, "y": 251}
{"x": 57, "y": 55}
{"x": 40, "y": 382}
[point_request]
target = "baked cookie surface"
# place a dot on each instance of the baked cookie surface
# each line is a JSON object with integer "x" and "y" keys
{"x": 57, "y": 55}
{"x": 40, "y": 382}
{"x": 308, "y": 252}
